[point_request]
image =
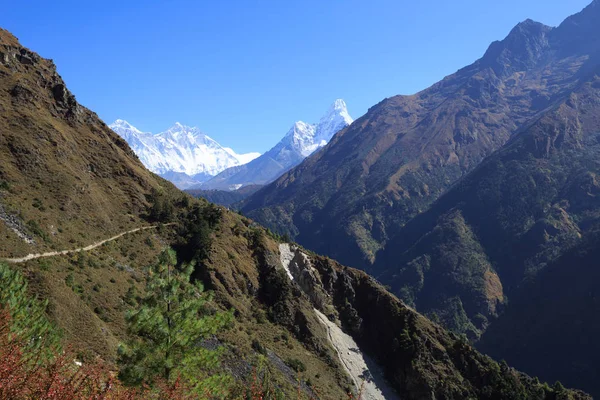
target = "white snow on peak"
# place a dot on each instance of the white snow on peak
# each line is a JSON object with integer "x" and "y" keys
{"x": 244, "y": 158}
{"x": 125, "y": 125}
{"x": 180, "y": 149}
{"x": 300, "y": 141}
{"x": 305, "y": 138}
{"x": 187, "y": 156}
{"x": 334, "y": 120}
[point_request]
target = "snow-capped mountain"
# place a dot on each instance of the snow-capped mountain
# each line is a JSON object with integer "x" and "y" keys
{"x": 301, "y": 141}
{"x": 182, "y": 154}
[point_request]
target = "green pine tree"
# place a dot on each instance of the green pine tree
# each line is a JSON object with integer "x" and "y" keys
{"x": 168, "y": 327}
{"x": 29, "y": 320}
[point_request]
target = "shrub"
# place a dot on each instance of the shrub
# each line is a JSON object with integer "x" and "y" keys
{"x": 25, "y": 376}
{"x": 295, "y": 364}
{"x": 35, "y": 228}
{"x": 258, "y": 347}
{"x": 69, "y": 280}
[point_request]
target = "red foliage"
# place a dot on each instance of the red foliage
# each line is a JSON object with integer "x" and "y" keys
{"x": 25, "y": 377}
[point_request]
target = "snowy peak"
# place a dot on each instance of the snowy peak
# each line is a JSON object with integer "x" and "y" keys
{"x": 336, "y": 118}
{"x": 181, "y": 149}
{"x": 188, "y": 157}
{"x": 124, "y": 125}
{"x": 188, "y": 136}
{"x": 301, "y": 140}
{"x": 338, "y": 110}
{"x": 306, "y": 138}
{"x": 136, "y": 139}
{"x": 126, "y": 130}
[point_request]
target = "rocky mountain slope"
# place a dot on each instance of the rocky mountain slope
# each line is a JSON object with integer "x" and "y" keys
{"x": 497, "y": 228}
{"x": 67, "y": 180}
{"x": 182, "y": 154}
{"x": 551, "y": 326}
{"x": 492, "y": 237}
{"x": 348, "y": 200}
{"x": 301, "y": 141}
{"x": 506, "y": 254}
{"x": 65, "y": 177}
{"x": 503, "y": 254}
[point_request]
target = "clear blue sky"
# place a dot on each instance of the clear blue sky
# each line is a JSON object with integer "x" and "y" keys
{"x": 244, "y": 71}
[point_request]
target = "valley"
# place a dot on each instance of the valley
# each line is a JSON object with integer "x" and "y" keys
{"x": 443, "y": 246}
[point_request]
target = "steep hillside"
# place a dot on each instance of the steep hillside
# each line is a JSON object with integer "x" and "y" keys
{"x": 66, "y": 178}
{"x": 523, "y": 207}
{"x": 417, "y": 358}
{"x": 552, "y": 325}
{"x": 68, "y": 182}
{"x": 348, "y": 200}
{"x": 489, "y": 239}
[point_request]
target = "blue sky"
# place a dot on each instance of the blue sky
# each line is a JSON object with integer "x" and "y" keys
{"x": 244, "y": 71}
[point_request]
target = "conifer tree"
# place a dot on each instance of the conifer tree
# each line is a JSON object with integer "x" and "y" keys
{"x": 29, "y": 321}
{"x": 168, "y": 326}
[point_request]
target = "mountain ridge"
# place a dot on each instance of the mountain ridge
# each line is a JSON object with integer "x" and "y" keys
{"x": 392, "y": 163}
{"x": 523, "y": 208}
{"x": 460, "y": 196}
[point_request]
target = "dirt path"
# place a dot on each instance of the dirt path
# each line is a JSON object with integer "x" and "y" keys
{"x": 92, "y": 246}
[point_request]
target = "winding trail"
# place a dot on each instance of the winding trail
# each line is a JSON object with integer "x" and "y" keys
{"x": 92, "y": 246}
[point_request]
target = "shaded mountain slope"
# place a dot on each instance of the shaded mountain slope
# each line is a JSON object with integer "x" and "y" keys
{"x": 552, "y": 326}
{"x": 62, "y": 168}
{"x": 348, "y": 200}
{"x": 418, "y": 358}
{"x": 227, "y": 198}
{"x": 520, "y": 209}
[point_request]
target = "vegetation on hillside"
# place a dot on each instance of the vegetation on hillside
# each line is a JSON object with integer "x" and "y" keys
{"x": 27, "y": 316}
{"x": 168, "y": 327}
{"x": 68, "y": 181}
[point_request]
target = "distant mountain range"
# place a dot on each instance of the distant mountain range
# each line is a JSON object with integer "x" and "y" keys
{"x": 301, "y": 141}
{"x": 182, "y": 154}
{"x": 190, "y": 159}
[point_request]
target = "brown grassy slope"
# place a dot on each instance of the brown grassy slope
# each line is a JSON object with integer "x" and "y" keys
{"x": 78, "y": 182}
{"x": 244, "y": 271}
{"x": 63, "y": 168}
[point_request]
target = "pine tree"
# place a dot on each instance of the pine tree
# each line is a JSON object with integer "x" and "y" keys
{"x": 29, "y": 321}
{"x": 168, "y": 327}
